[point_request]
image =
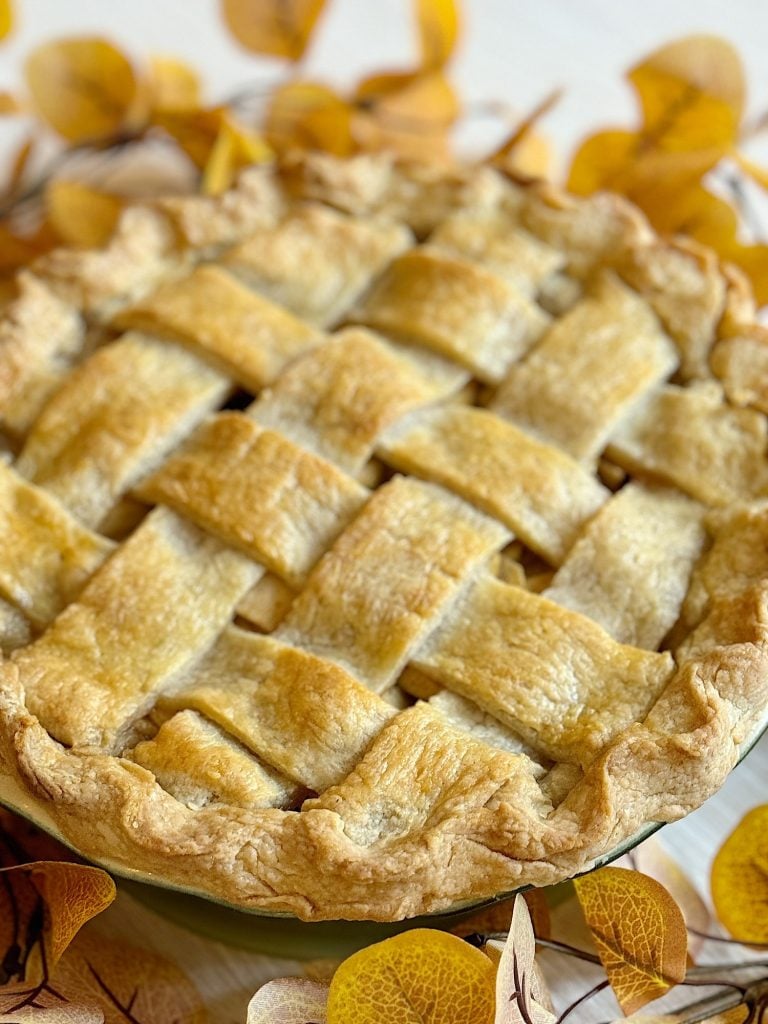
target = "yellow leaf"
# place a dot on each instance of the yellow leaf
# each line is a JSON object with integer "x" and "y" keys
{"x": 173, "y": 84}
{"x": 288, "y": 1001}
{"x": 409, "y": 114}
{"x": 8, "y": 103}
{"x": 438, "y": 27}
{"x": 81, "y": 215}
{"x": 280, "y": 28}
{"x": 19, "y": 165}
{"x": 234, "y": 149}
{"x": 639, "y": 932}
{"x": 309, "y": 116}
{"x": 601, "y": 161}
{"x": 83, "y": 88}
{"x": 757, "y": 173}
{"x": 42, "y": 907}
{"x": 17, "y": 250}
{"x": 740, "y": 878}
{"x": 196, "y": 131}
{"x": 691, "y": 93}
{"x": 419, "y": 977}
{"x": 6, "y": 18}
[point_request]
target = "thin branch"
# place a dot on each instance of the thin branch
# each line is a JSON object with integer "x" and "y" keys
{"x": 124, "y": 1010}
{"x": 726, "y": 939}
{"x": 582, "y": 999}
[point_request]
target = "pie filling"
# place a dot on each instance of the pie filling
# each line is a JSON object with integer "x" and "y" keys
{"x": 377, "y": 537}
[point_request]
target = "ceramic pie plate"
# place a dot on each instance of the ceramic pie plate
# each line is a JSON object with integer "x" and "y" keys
{"x": 279, "y": 934}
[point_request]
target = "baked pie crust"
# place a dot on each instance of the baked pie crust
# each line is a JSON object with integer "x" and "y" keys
{"x": 379, "y": 536}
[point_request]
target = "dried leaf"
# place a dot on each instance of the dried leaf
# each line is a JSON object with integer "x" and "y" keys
{"x": 81, "y": 215}
{"x": 68, "y": 1014}
{"x": 173, "y": 84}
{"x": 498, "y": 917}
{"x": 17, "y": 250}
{"x": 19, "y": 165}
{"x": 437, "y": 22}
{"x": 419, "y": 977}
{"x": 652, "y": 859}
{"x": 83, "y": 88}
{"x": 6, "y": 18}
{"x": 639, "y": 932}
{"x": 410, "y": 114}
{"x": 195, "y": 131}
{"x": 309, "y": 116}
{"x": 279, "y": 28}
{"x": 289, "y": 1001}
{"x": 117, "y": 977}
{"x": 22, "y": 842}
{"x": 518, "y": 995}
{"x": 42, "y": 907}
{"x": 740, "y": 878}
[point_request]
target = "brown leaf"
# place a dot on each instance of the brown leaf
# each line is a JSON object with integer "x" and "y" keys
{"x": 409, "y": 114}
{"x": 308, "y": 115}
{"x": 19, "y": 165}
{"x": 279, "y": 28}
{"x": 437, "y": 22}
{"x": 17, "y": 250}
{"x": 639, "y": 932}
{"x": 81, "y": 215}
{"x": 519, "y": 999}
{"x": 82, "y": 87}
{"x": 289, "y": 1001}
{"x": 6, "y": 18}
{"x": 115, "y": 977}
{"x": 498, "y": 917}
{"x": 22, "y": 842}
{"x": 740, "y": 878}
{"x": 42, "y": 907}
{"x": 68, "y": 1014}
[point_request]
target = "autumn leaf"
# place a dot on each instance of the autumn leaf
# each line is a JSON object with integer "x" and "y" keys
{"x": 81, "y": 215}
{"x": 235, "y": 148}
{"x": 68, "y": 1014}
{"x": 409, "y": 114}
{"x": 639, "y": 932}
{"x": 8, "y": 103}
{"x": 422, "y": 976}
{"x": 19, "y": 165}
{"x": 278, "y": 28}
{"x": 173, "y": 85}
{"x": 652, "y": 859}
{"x": 518, "y": 995}
{"x": 740, "y": 879}
{"x": 83, "y": 88}
{"x": 308, "y": 115}
{"x": 6, "y": 18}
{"x": 437, "y": 22}
{"x": 289, "y": 1001}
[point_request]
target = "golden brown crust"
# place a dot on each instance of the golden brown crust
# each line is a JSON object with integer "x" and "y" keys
{"x": 421, "y": 807}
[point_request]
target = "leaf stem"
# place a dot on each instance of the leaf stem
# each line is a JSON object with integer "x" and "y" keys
{"x": 582, "y": 999}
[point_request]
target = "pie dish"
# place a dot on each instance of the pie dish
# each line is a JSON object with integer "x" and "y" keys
{"x": 379, "y": 536}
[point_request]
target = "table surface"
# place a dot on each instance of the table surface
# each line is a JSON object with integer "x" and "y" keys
{"x": 512, "y": 51}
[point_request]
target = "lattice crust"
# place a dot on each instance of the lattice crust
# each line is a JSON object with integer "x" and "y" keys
{"x": 386, "y": 639}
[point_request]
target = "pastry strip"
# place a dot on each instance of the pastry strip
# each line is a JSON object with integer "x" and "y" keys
{"x": 457, "y": 309}
{"x": 588, "y": 370}
{"x": 246, "y": 336}
{"x": 143, "y": 618}
{"x": 630, "y": 569}
{"x": 142, "y": 396}
{"x": 552, "y": 675}
{"x": 258, "y": 491}
{"x": 537, "y": 490}
{"x": 389, "y": 577}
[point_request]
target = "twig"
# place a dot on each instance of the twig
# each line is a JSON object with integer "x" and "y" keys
{"x": 582, "y": 999}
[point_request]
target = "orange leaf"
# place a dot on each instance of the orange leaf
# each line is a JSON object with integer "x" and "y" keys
{"x": 81, "y": 215}
{"x": 42, "y": 907}
{"x": 419, "y": 977}
{"x": 8, "y": 103}
{"x": 6, "y": 18}
{"x": 410, "y": 114}
{"x": 639, "y": 932}
{"x": 173, "y": 84}
{"x": 437, "y": 22}
{"x": 288, "y": 1001}
{"x": 83, "y": 88}
{"x": 309, "y": 116}
{"x": 279, "y": 28}
{"x": 740, "y": 878}
{"x": 17, "y": 250}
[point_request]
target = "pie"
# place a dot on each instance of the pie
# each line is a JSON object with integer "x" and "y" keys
{"x": 379, "y": 537}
